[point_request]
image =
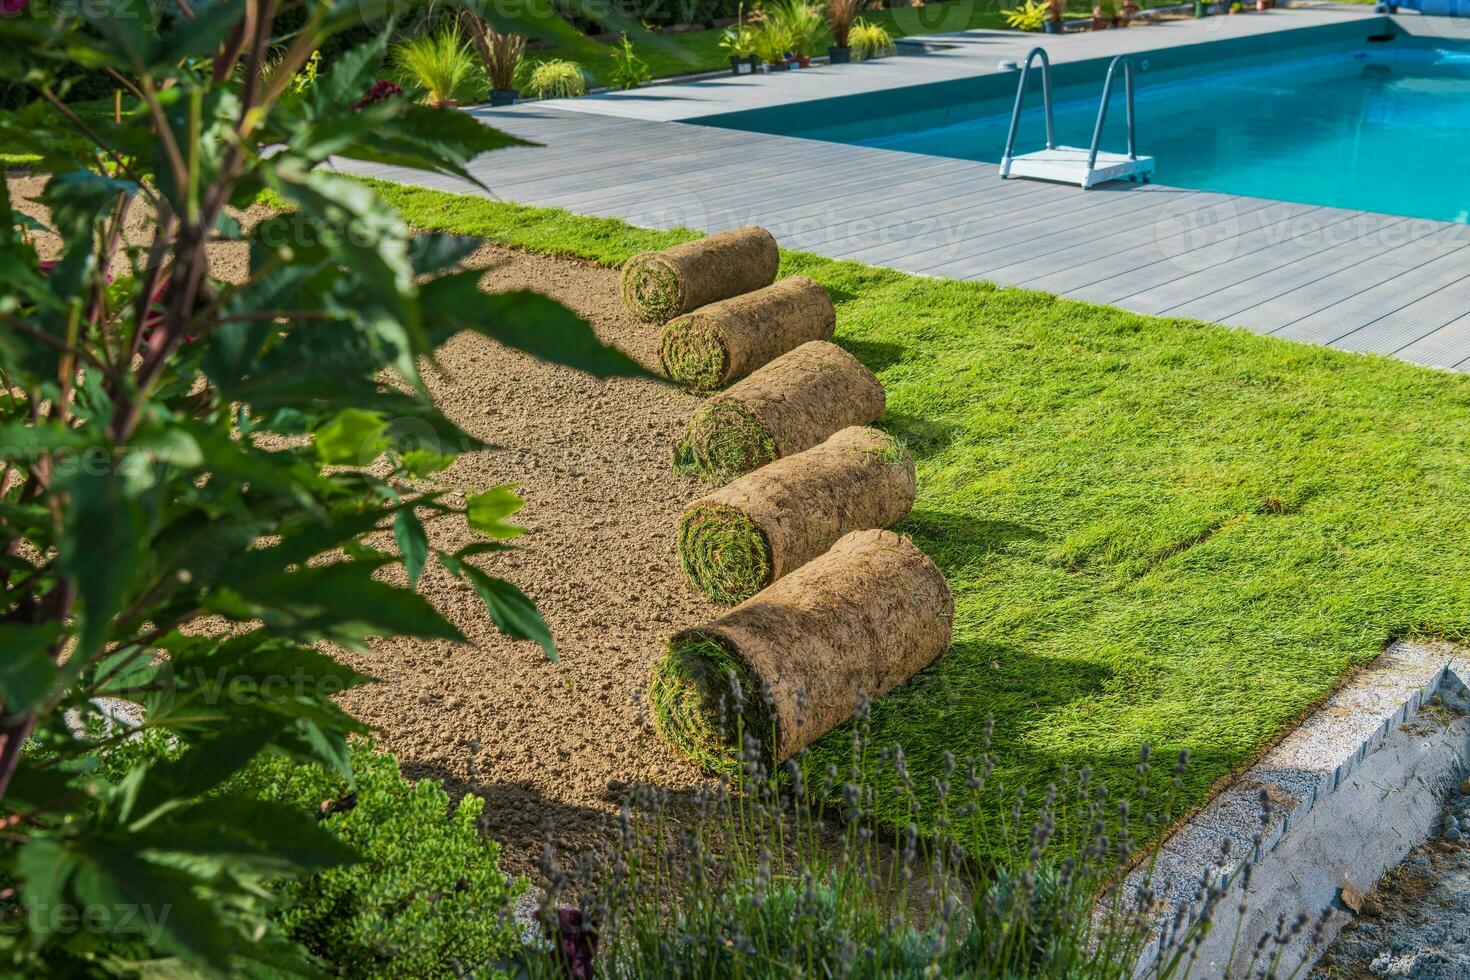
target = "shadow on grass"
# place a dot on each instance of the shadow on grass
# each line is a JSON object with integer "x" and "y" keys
{"x": 876, "y": 354}
{"x": 921, "y": 436}
{"x": 950, "y": 537}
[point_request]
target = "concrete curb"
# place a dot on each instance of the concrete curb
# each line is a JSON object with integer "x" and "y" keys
{"x": 1352, "y": 790}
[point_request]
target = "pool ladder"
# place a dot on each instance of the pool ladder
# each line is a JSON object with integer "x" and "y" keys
{"x": 1069, "y": 164}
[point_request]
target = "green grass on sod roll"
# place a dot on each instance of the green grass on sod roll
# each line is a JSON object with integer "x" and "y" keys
{"x": 693, "y": 703}
{"x": 693, "y": 353}
{"x": 1156, "y": 530}
{"x": 730, "y": 441}
{"x": 652, "y": 286}
{"x": 724, "y": 553}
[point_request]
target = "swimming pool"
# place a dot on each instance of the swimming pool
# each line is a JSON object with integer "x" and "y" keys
{"x": 1322, "y": 117}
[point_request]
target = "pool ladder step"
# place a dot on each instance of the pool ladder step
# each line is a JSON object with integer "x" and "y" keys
{"x": 1069, "y": 164}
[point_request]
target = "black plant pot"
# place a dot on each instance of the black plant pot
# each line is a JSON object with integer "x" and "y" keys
{"x": 743, "y": 66}
{"x": 776, "y": 66}
{"x": 840, "y": 56}
{"x": 499, "y": 97}
{"x": 1051, "y": 27}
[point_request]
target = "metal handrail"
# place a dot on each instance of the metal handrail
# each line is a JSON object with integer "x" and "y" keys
{"x": 1051, "y": 130}
{"x": 1102, "y": 110}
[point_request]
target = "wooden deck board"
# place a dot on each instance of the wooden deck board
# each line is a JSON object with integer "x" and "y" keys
{"x": 1361, "y": 281}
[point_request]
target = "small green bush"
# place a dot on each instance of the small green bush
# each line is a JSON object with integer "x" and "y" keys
{"x": 870, "y": 41}
{"x": 443, "y": 66}
{"x": 772, "y": 41}
{"x": 1030, "y": 16}
{"x": 801, "y": 23}
{"x": 556, "y": 79}
{"x": 629, "y": 71}
{"x": 428, "y": 898}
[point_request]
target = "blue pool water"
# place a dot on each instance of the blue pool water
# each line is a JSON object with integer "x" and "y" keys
{"x": 1351, "y": 124}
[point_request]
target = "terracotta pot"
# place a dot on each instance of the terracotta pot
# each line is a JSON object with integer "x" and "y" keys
{"x": 446, "y": 104}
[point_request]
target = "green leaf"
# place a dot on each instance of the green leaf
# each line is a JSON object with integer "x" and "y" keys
{"x": 341, "y": 601}
{"x": 419, "y": 463}
{"x": 27, "y": 671}
{"x": 513, "y": 613}
{"x": 44, "y": 867}
{"x": 101, "y": 538}
{"x": 353, "y": 438}
{"x": 487, "y": 511}
{"x": 526, "y": 321}
{"x": 413, "y": 543}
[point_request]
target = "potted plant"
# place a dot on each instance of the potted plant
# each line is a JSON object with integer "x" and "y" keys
{"x": 1201, "y": 9}
{"x": 771, "y": 43}
{"x": 869, "y": 41}
{"x": 1235, "y": 7}
{"x": 440, "y": 64}
{"x": 557, "y": 79}
{"x": 840, "y": 15}
{"x": 502, "y": 56}
{"x": 802, "y": 24}
{"x": 1030, "y": 16}
{"x": 1053, "y": 23}
{"x": 740, "y": 40}
{"x": 1130, "y": 11}
{"x": 1104, "y": 15}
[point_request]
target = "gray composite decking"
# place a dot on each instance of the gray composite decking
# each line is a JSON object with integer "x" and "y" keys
{"x": 1348, "y": 279}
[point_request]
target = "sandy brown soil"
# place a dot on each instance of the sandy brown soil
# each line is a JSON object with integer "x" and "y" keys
{"x": 541, "y": 741}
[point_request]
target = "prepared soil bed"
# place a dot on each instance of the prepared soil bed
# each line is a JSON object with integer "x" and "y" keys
{"x": 542, "y": 741}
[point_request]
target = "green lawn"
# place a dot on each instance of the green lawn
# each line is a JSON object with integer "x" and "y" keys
{"x": 699, "y": 51}
{"x": 1157, "y": 531}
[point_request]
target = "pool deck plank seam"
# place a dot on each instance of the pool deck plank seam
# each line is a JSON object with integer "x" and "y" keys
{"x": 630, "y": 155}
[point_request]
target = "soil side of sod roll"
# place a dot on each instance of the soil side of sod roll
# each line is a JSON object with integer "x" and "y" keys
{"x": 785, "y": 407}
{"x": 738, "y": 539}
{"x": 718, "y": 343}
{"x": 803, "y": 654}
{"x": 658, "y": 286}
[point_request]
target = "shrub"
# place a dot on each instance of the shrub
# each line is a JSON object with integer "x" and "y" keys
{"x": 741, "y": 41}
{"x": 427, "y": 898}
{"x": 629, "y": 71}
{"x": 870, "y": 41}
{"x": 502, "y": 55}
{"x": 244, "y": 450}
{"x": 443, "y": 66}
{"x": 556, "y": 79}
{"x": 801, "y": 24}
{"x": 772, "y": 42}
{"x": 840, "y": 16}
{"x": 1030, "y": 16}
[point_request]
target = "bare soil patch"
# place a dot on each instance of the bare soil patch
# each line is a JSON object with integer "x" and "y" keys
{"x": 543, "y": 742}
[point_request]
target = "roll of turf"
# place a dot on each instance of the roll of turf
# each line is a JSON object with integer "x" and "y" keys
{"x": 790, "y": 405}
{"x": 852, "y": 624}
{"x": 749, "y": 533}
{"x": 658, "y": 286}
{"x": 718, "y": 343}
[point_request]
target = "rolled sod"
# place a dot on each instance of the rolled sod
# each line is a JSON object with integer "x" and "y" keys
{"x": 851, "y": 624}
{"x": 790, "y": 405}
{"x": 740, "y": 538}
{"x": 658, "y": 286}
{"x": 718, "y": 343}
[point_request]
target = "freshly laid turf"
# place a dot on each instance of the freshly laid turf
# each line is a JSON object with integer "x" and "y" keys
{"x": 1156, "y": 531}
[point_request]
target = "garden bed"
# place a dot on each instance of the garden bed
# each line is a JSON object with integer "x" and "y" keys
{"x": 1157, "y": 532}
